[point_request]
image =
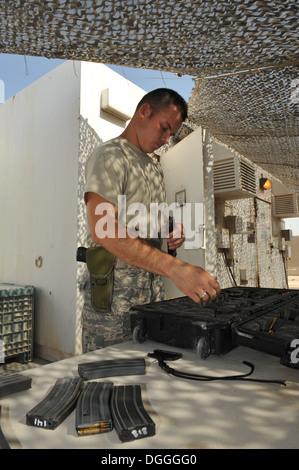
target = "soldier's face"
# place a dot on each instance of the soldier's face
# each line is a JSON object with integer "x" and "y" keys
{"x": 156, "y": 129}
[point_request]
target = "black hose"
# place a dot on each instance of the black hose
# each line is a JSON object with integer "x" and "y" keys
{"x": 204, "y": 378}
{"x": 228, "y": 267}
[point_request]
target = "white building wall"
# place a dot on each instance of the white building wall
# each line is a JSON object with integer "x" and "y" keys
{"x": 95, "y": 78}
{"x": 46, "y": 134}
{"x": 38, "y": 183}
{"x": 183, "y": 170}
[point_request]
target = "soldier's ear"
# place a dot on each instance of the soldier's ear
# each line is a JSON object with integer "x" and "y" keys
{"x": 145, "y": 110}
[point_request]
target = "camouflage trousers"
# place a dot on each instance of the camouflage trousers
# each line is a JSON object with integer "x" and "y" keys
{"x": 132, "y": 286}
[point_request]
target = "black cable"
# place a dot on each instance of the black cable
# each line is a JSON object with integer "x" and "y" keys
{"x": 160, "y": 356}
{"x": 285, "y": 269}
{"x": 228, "y": 266}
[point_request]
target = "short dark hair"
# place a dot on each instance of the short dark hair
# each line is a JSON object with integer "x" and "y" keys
{"x": 162, "y": 98}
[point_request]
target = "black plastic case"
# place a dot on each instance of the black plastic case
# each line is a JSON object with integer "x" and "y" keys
{"x": 206, "y": 327}
{"x": 273, "y": 329}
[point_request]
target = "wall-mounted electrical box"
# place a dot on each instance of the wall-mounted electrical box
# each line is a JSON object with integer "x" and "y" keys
{"x": 288, "y": 252}
{"x": 287, "y": 235}
{"x": 233, "y": 223}
{"x": 243, "y": 275}
{"x": 275, "y": 243}
{"x": 251, "y": 232}
{"x": 234, "y": 178}
{"x": 282, "y": 244}
{"x": 223, "y": 238}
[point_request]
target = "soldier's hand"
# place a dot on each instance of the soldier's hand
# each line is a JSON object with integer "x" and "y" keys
{"x": 195, "y": 282}
{"x": 177, "y": 237}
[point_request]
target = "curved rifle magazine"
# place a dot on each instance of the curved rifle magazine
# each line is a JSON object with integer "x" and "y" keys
{"x": 57, "y": 405}
{"x": 111, "y": 368}
{"x": 130, "y": 419}
{"x": 93, "y": 414}
{"x": 14, "y": 383}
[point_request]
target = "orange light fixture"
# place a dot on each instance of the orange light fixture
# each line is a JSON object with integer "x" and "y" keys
{"x": 265, "y": 183}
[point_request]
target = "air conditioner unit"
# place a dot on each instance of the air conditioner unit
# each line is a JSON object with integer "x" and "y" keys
{"x": 118, "y": 102}
{"x": 286, "y": 205}
{"x": 234, "y": 178}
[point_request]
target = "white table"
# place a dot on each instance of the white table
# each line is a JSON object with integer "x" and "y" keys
{"x": 188, "y": 415}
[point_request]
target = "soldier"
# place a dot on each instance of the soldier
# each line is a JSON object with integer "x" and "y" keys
{"x": 122, "y": 166}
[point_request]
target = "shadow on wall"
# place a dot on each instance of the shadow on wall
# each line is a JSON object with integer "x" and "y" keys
{"x": 88, "y": 141}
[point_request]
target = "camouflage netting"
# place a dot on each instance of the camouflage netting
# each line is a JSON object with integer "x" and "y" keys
{"x": 256, "y": 114}
{"x": 198, "y": 38}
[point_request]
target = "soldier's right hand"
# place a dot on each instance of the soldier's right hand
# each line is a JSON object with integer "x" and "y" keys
{"x": 195, "y": 282}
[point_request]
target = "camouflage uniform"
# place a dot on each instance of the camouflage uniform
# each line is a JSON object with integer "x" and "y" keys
{"x": 132, "y": 286}
{"x": 120, "y": 168}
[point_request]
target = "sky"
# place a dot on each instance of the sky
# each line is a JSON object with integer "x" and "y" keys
{"x": 17, "y": 72}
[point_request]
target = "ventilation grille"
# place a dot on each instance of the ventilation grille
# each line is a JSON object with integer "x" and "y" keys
{"x": 247, "y": 175}
{"x": 286, "y": 205}
{"x": 224, "y": 175}
{"x": 234, "y": 179}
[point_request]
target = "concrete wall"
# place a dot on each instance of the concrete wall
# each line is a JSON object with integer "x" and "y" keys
{"x": 254, "y": 258}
